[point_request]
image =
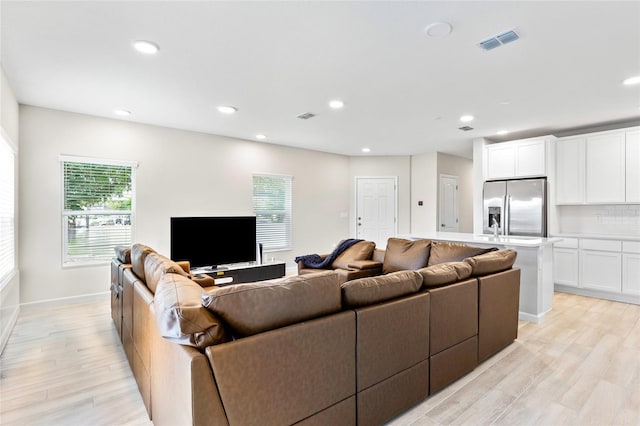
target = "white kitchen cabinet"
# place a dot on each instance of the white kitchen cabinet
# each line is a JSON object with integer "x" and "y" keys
{"x": 631, "y": 268}
{"x": 605, "y": 168}
{"x": 516, "y": 159}
{"x": 501, "y": 161}
{"x": 565, "y": 266}
{"x": 632, "y": 167}
{"x": 601, "y": 265}
{"x": 570, "y": 170}
{"x": 531, "y": 158}
{"x": 565, "y": 262}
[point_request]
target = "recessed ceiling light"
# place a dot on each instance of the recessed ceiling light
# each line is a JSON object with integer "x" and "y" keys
{"x": 466, "y": 118}
{"x": 438, "y": 29}
{"x": 366, "y": 150}
{"x": 632, "y": 80}
{"x": 122, "y": 112}
{"x": 225, "y": 109}
{"x": 261, "y": 137}
{"x": 502, "y": 132}
{"x": 146, "y": 47}
{"x": 505, "y": 102}
{"x": 336, "y": 104}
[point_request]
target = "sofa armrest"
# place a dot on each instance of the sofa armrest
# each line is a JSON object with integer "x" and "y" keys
{"x": 365, "y": 264}
{"x": 203, "y": 280}
{"x": 301, "y": 264}
{"x": 185, "y": 265}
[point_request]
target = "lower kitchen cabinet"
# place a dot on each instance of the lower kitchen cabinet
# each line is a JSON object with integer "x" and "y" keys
{"x": 601, "y": 270}
{"x": 631, "y": 268}
{"x": 565, "y": 262}
{"x": 596, "y": 267}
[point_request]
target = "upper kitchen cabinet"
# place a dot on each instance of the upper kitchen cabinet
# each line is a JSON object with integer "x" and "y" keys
{"x": 516, "y": 159}
{"x": 598, "y": 168}
{"x": 605, "y": 171}
{"x": 632, "y": 169}
{"x": 570, "y": 174}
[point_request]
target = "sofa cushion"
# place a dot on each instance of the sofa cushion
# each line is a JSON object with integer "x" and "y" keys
{"x": 123, "y": 254}
{"x": 252, "y": 308}
{"x": 155, "y": 266}
{"x": 139, "y": 253}
{"x": 404, "y": 254}
{"x": 359, "y": 251}
{"x": 180, "y": 315}
{"x": 489, "y": 263}
{"x": 444, "y": 273}
{"x": 445, "y": 251}
{"x": 367, "y": 291}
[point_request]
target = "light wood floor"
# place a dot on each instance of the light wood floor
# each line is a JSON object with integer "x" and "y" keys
{"x": 64, "y": 366}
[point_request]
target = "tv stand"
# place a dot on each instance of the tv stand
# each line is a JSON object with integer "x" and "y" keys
{"x": 244, "y": 272}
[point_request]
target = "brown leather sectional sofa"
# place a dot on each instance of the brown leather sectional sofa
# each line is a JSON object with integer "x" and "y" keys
{"x": 312, "y": 349}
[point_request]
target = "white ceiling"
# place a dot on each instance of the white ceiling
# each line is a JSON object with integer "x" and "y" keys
{"x": 403, "y": 91}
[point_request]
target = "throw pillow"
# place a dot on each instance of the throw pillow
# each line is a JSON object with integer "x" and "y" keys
{"x": 445, "y": 251}
{"x": 252, "y": 308}
{"x": 367, "y": 291}
{"x": 359, "y": 251}
{"x": 444, "y": 273}
{"x": 490, "y": 263}
{"x": 402, "y": 255}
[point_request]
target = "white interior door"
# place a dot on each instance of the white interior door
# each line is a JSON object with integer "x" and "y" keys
{"x": 448, "y": 203}
{"x": 376, "y": 209}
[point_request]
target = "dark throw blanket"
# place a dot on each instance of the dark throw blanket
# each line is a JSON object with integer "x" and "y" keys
{"x": 315, "y": 261}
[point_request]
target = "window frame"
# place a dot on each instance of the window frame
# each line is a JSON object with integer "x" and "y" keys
{"x": 74, "y": 262}
{"x": 8, "y": 276}
{"x": 288, "y": 246}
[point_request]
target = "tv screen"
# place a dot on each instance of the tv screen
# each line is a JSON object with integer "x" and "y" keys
{"x": 213, "y": 241}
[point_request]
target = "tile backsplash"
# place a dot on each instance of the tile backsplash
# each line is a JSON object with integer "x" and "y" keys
{"x": 601, "y": 219}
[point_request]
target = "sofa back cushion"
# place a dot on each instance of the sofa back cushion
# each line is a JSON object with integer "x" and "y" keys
{"x": 367, "y": 291}
{"x": 139, "y": 253}
{"x": 402, "y": 255}
{"x": 359, "y": 251}
{"x": 252, "y": 308}
{"x": 155, "y": 266}
{"x": 489, "y": 263}
{"x": 444, "y": 273}
{"x": 445, "y": 251}
{"x": 180, "y": 315}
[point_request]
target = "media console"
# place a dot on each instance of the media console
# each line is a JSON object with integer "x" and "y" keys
{"x": 244, "y": 273}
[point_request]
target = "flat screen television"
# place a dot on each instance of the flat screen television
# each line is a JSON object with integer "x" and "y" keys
{"x": 213, "y": 241}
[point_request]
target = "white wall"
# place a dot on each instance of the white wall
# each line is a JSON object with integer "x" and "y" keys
{"x": 10, "y": 291}
{"x": 180, "y": 173}
{"x": 463, "y": 169}
{"x": 424, "y": 187}
{"x": 399, "y": 166}
{"x": 478, "y": 180}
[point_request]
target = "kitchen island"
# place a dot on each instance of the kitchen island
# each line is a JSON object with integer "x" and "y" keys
{"x": 535, "y": 260}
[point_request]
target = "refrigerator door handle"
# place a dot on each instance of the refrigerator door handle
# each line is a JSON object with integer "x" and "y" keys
{"x": 507, "y": 214}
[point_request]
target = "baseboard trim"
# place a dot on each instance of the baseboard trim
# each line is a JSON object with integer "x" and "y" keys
{"x": 65, "y": 300}
{"x": 523, "y": 316}
{"x": 624, "y": 298}
{"x": 6, "y": 333}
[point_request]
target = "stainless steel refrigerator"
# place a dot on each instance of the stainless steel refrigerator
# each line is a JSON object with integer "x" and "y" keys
{"x": 515, "y": 207}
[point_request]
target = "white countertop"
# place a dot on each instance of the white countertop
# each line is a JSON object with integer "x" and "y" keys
{"x": 601, "y": 236}
{"x": 501, "y": 240}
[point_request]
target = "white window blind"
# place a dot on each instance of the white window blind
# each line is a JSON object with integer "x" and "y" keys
{"x": 7, "y": 211}
{"x": 98, "y": 208}
{"x": 272, "y": 207}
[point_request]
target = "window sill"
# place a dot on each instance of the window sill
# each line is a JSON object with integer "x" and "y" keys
{"x": 85, "y": 264}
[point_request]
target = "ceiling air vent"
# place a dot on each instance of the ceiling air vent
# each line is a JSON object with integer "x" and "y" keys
{"x": 499, "y": 40}
{"x": 305, "y": 115}
{"x": 465, "y": 128}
